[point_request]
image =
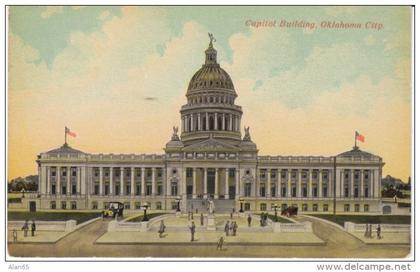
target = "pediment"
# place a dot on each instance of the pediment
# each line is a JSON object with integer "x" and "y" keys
{"x": 211, "y": 145}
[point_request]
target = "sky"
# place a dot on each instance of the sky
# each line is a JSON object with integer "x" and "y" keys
{"x": 117, "y": 76}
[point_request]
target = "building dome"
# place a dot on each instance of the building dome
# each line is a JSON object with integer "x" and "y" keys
{"x": 210, "y": 76}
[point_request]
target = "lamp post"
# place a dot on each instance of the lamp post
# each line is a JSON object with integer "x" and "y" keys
{"x": 178, "y": 201}
{"x": 275, "y": 212}
{"x": 241, "y": 200}
{"x": 23, "y": 192}
{"x": 145, "y": 206}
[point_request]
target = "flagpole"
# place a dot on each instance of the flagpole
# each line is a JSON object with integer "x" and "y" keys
{"x": 355, "y": 137}
{"x": 65, "y": 135}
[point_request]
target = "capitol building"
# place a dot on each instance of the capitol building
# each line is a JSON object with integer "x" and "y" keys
{"x": 209, "y": 158}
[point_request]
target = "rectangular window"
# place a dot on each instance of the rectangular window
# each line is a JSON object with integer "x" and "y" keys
{"x": 366, "y": 192}
{"x": 158, "y": 205}
{"x": 273, "y": 189}
{"x": 53, "y": 174}
{"x": 366, "y": 208}
{"x": 283, "y": 191}
{"x": 94, "y": 205}
{"x": 174, "y": 205}
{"x": 315, "y": 207}
{"x": 325, "y": 207}
{"x": 137, "y": 205}
{"x": 231, "y": 172}
{"x": 247, "y": 207}
{"x": 117, "y": 189}
{"x": 96, "y": 189}
{"x": 304, "y": 192}
{"x": 293, "y": 191}
{"x": 73, "y": 205}
{"x": 247, "y": 189}
{"x": 304, "y": 207}
{"x": 64, "y": 174}
{"x": 315, "y": 192}
{"x": 127, "y": 205}
{"x": 63, "y": 190}
{"x": 346, "y": 192}
{"x": 262, "y": 189}
{"x": 159, "y": 189}
{"x": 53, "y": 205}
{"x": 138, "y": 188}
{"x": 273, "y": 174}
{"x": 174, "y": 189}
{"x": 63, "y": 205}
{"x": 73, "y": 189}
{"x": 149, "y": 189}
{"x": 189, "y": 172}
{"x": 356, "y": 192}
{"x": 356, "y": 207}
{"x": 263, "y": 207}
{"x": 106, "y": 189}
{"x": 325, "y": 191}
{"x": 346, "y": 207}
{"x": 128, "y": 189}
{"x": 106, "y": 205}
{"x": 53, "y": 189}
{"x": 74, "y": 173}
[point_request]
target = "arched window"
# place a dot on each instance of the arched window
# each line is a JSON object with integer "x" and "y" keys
{"x": 211, "y": 123}
{"x": 220, "y": 123}
{"x": 203, "y": 123}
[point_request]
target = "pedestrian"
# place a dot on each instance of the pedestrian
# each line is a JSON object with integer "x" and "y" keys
{"x": 25, "y": 228}
{"x": 33, "y": 228}
{"x": 15, "y": 235}
{"x": 249, "y": 220}
{"x": 192, "y": 230}
{"x": 235, "y": 228}
{"x": 231, "y": 215}
{"x": 231, "y": 228}
{"x": 220, "y": 243}
{"x": 192, "y": 215}
{"x": 370, "y": 231}
{"x": 202, "y": 219}
{"x": 367, "y": 230}
{"x": 378, "y": 232}
{"x": 227, "y": 228}
{"x": 162, "y": 228}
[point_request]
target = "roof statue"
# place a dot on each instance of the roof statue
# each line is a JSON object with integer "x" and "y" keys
{"x": 247, "y": 136}
{"x": 175, "y": 136}
{"x": 212, "y": 39}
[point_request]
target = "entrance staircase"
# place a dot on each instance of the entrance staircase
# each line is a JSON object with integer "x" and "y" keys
{"x": 221, "y": 205}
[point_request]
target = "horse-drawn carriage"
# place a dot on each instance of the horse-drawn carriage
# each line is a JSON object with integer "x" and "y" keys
{"x": 290, "y": 211}
{"x": 114, "y": 209}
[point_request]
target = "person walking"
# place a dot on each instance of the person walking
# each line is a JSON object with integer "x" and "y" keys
{"x": 231, "y": 228}
{"x": 202, "y": 219}
{"x": 378, "y": 232}
{"x": 231, "y": 215}
{"x": 25, "y": 228}
{"x": 162, "y": 228}
{"x": 227, "y": 228}
{"x": 220, "y": 243}
{"x": 367, "y": 230}
{"x": 15, "y": 235}
{"x": 192, "y": 230}
{"x": 235, "y": 228}
{"x": 249, "y": 220}
{"x": 33, "y": 228}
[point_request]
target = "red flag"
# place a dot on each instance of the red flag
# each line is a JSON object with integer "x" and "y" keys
{"x": 69, "y": 132}
{"x": 360, "y": 137}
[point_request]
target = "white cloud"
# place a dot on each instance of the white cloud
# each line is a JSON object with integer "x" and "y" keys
{"x": 50, "y": 11}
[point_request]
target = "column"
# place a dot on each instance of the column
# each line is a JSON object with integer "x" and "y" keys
{"x": 83, "y": 180}
{"x": 268, "y": 184}
{"x": 371, "y": 183}
{"x": 289, "y": 182}
{"x": 49, "y": 179}
{"x": 299, "y": 184}
{"x": 58, "y": 182}
{"x": 231, "y": 122}
{"x": 205, "y": 183}
{"x": 153, "y": 181}
{"x": 199, "y": 121}
{"x": 132, "y": 188}
{"x": 279, "y": 182}
{"x": 342, "y": 183}
{"x": 226, "y": 182}
{"x": 310, "y": 183}
{"x": 207, "y": 121}
{"x": 237, "y": 184}
{"x": 194, "y": 196}
{"x": 101, "y": 181}
{"x": 330, "y": 183}
{"x": 257, "y": 185}
{"x": 223, "y": 122}
{"x": 352, "y": 183}
{"x": 362, "y": 184}
{"x": 79, "y": 179}
{"x": 376, "y": 180}
{"x": 216, "y": 127}
{"x": 184, "y": 182}
{"x": 143, "y": 182}
{"x": 68, "y": 185}
{"x": 216, "y": 183}
{"x": 122, "y": 181}
{"x": 111, "y": 181}
{"x": 320, "y": 193}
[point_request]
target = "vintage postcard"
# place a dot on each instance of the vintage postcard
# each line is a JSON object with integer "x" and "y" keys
{"x": 210, "y": 132}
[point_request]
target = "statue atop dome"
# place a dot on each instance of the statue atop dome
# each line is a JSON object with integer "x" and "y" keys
{"x": 212, "y": 39}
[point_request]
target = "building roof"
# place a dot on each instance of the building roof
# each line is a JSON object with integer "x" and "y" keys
{"x": 357, "y": 152}
{"x": 65, "y": 149}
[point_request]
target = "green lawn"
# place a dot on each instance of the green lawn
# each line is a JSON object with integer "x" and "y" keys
{"x": 140, "y": 217}
{"x": 80, "y": 217}
{"x": 361, "y": 219}
{"x": 280, "y": 219}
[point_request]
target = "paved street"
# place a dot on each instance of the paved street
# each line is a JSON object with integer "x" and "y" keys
{"x": 338, "y": 245}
